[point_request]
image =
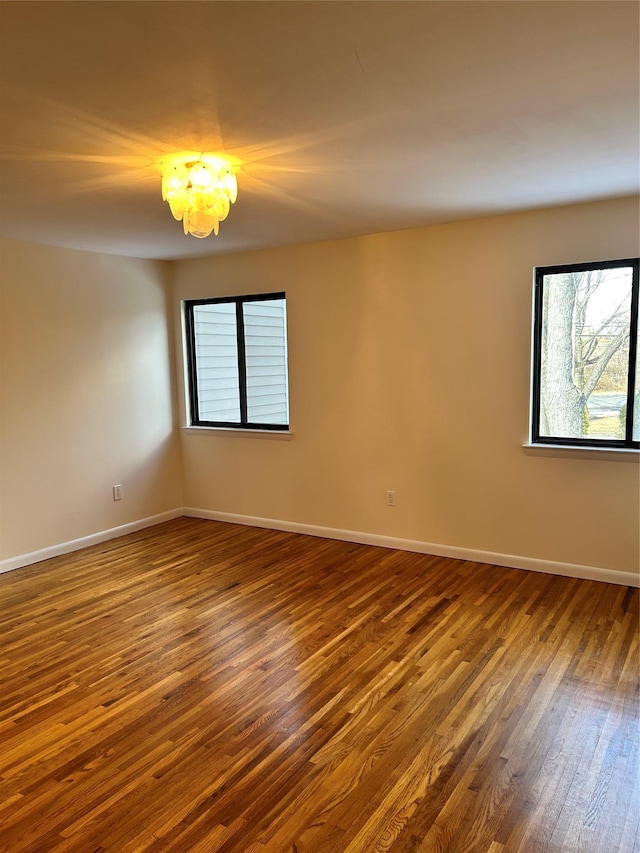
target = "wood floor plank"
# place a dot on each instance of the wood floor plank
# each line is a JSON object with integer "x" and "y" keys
{"x": 200, "y": 687}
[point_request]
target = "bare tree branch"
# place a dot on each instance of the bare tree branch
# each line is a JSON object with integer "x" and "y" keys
{"x": 602, "y": 362}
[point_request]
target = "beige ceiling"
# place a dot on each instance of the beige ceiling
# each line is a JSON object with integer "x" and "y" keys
{"x": 344, "y": 118}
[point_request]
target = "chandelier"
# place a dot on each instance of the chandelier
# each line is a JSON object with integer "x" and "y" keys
{"x": 200, "y": 193}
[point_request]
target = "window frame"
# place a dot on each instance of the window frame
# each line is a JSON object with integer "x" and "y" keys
{"x": 626, "y": 443}
{"x": 191, "y": 366}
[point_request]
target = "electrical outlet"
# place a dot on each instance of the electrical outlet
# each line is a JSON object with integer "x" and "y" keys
{"x": 391, "y": 498}
{"x": 117, "y": 493}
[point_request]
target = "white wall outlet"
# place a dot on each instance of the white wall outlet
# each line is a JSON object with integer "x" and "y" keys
{"x": 117, "y": 493}
{"x": 391, "y": 498}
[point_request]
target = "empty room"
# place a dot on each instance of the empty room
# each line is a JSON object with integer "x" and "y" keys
{"x": 319, "y": 426}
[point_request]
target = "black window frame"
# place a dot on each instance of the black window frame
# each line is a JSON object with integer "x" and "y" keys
{"x": 626, "y": 443}
{"x": 192, "y": 375}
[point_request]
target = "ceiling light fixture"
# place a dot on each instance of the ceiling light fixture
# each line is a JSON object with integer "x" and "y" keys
{"x": 200, "y": 193}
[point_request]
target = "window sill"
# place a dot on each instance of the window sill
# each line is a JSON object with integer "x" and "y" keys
{"x": 277, "y": 434}
{"x": 611, "y": 454}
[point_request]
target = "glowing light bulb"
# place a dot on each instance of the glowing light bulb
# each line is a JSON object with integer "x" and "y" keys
{"x": 202, "y": 176}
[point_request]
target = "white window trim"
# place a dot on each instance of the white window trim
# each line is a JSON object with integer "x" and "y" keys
{"x": 609, "y": 454}
{"x": 277, "y": 434}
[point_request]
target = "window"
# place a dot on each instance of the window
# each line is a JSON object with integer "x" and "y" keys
{"x": 237, "y": 361}
{"x": 586, "y": 370}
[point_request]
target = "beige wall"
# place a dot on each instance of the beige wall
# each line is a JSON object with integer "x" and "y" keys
{"x": 409, "y": 370}
{"x": 409, "y": 362}
{"x": 85, "y": 395}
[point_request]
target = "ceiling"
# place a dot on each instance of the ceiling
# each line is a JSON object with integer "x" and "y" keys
{"x": 343, "y": 118}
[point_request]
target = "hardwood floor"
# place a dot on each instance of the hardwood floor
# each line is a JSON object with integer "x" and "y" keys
{"x": 207, "y": 687}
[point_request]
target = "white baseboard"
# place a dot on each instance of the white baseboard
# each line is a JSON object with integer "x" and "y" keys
{"x": 84, "y": 542}
{"x": 571, "y": 570}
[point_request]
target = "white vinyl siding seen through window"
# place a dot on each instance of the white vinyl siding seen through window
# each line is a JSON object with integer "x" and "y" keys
{"x": 237, "y": 361}
{"x": 216, "y": 351}
{"x": 265, "y": 343}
